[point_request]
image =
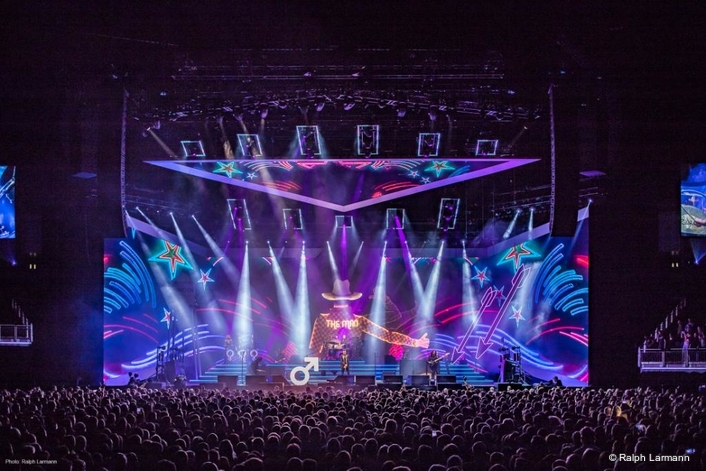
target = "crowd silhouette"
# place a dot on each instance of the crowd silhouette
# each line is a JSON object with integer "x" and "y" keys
{"x": 543, "y": 428}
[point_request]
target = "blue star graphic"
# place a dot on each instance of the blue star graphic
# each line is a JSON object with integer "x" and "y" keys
{"x": 481, "y": 276}
{"x": 227, "y": 168}
{"x": 439, "y": 166}
{"x": 426, "y": 180}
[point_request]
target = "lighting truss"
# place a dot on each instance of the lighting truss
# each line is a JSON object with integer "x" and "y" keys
{"x": 250, "y": 145}
{"x": 448, "y": 213}
{"x": 238, "y": 209}
{"x": 395, "y": 218}
{"x": 343, "y": 221}
{"x": 309, "y": 139}
{"x": 193, "y": 149}
{"x": 368, "y": 139}
{"x": 428, "y": 144}
{"x": 486, "y": 147}
{"x": 292, "y": 218}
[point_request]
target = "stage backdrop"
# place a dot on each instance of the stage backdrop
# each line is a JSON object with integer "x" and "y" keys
{"x": 166, "y": 303}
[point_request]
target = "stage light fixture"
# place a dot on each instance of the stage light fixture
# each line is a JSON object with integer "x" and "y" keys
{"x": 511, "y": 227}
{"x": 402, "y": 110}
{"x": 448, "y": 213}
{"x": 238, "y": 209}
{"x": 428, "y": 144}
{"x": 486, "y": 147}
{"x": 368, "y": 141}
{"x": 309, "y": 139}
{"x": 193, "y": 149}
{"x": 292, "y": 218}
{"x": 433, "y": 113}
{"x": 249, "y": 145}
{"x": 264, "y": 110}
{"x": 320, "y": 104}
{"x": 343, "y": 221}
{"x": 395, "y": 218}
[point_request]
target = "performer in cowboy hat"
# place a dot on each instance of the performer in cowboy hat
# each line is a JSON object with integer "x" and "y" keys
{"x": 340, "y": 321}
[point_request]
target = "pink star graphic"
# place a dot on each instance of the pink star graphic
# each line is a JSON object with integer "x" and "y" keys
{"x": 167, "y": 317}
{"x": 205, "y": 278}
{"x": 517, "y": 315}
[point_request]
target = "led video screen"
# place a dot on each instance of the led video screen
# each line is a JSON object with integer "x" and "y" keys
{"x": 525, "y": 303}
{"x": 7, "y": 202}
{"x": 693, "y": 201}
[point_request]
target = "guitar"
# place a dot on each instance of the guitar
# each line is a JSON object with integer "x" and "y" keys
{"x": 437, "y": 360}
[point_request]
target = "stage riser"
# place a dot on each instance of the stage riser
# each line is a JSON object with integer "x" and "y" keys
{"x": 329, "y": 370}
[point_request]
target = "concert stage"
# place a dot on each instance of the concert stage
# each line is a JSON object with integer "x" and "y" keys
{"x": 316, "y": 256}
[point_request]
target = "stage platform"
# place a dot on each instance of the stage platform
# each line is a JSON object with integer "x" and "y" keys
{"x": 237, "y": 375}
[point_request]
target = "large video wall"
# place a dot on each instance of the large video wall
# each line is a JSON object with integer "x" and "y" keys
{"x": 530, "y": 298}
{"x": 693, "y": 201}
{"x": 7, "y": 202}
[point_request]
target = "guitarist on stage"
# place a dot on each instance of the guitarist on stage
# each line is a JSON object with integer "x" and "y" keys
{"x": 345, "y": 363}
{"x": 433, "y": 362}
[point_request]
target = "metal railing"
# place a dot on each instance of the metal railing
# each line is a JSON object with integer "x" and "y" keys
{"x": 652, "y": 359}
{"x": 16, "y": 335}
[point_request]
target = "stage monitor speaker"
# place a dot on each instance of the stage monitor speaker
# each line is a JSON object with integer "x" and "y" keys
{"x": 274, "y": 370}
{"x": 341, "y": 379}
{"x": 565, "y": 161}
{"x": 278, "y": 379}
{"x": 154, "y": 385}
{"x": 418, "y": 380}
{"x": 442, "y": 379}
{"x": 392, "y": 379}
{"x": 365, "y": 380}
{"x": 229, "y": 381}
{"x": 413, "y": 367}
{"x": 506, "y": 386}
{"x": 253, "y": 380}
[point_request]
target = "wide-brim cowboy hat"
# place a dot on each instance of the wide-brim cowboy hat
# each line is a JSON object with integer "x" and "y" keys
{"x": 341, "y": 292}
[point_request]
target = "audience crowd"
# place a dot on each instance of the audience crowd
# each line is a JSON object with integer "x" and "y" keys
{"x": 552, "y": 429}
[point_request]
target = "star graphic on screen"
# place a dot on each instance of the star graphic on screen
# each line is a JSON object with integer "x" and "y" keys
{"x": 167, "y": 317}
{"x": 426, "y": 180}
{"x": 516, "y": 253}
{"x": 481, "y": 276}
{"x": 205, "y": 278}
{"x": 227, "y": 168}
{"x": 500, "y": 295}
{"x": 439, "y": 166}
{"x": 251, "y": 176}
{"x": 517, "y": 315}
{"x": 172, "y": 256}
{"x": 414, "y": 174}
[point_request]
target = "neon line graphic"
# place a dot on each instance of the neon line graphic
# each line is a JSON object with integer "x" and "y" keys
{"x": 573, "y": 336}
{"x": 459, "y": 350}
{"x": 517, "y": 281}
{"x": 553, "y": 330}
